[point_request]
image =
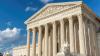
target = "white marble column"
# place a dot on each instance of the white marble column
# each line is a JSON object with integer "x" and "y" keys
{"x": 62, "y": 32}
{"x": 34, "y": 42}
{"x": 95, "y": 42}
{"x": 71, "y": 34}
{"x": 81, "y": 35}
{"x": 75, "y": 37}
{"x": 46, "y": 40}
{"x": 43, "y": 45}
{"x": 54, "y": 39}
{"x": 50, "y": 45}
{"x": 28, "y": 42}
{"x": 89, "y": 36}
{"x": 93, "y": 39}
{"x": 51, "y": 50}
{"x": 91, "y": 42}
{"x": 40, "y": 42}
{"x": 86, "y": 37}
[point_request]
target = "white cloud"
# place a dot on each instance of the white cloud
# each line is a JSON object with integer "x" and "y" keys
{"x": 29, "y": 8}
{"x": 46, "y": 1}
{"x": 9, "y": 49}
{"x": 9, "y": 34}
{"x": 0, "y": 39}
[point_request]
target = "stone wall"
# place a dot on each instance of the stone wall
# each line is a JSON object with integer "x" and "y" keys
{"x": 22, "y": 51}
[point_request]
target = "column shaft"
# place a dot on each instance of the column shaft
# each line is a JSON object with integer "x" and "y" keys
{"x": 71, "y": 34}
{"x": 81, "y": 35}
{"x": 93, "y": 39}
{"x": 89, "y": 36}
{"x": 62, "y": 32}
{"x": 40, "y": 42}
{"x": 86, "y": 37}
{"x": 54, "y": 39}
{"x": 46, "y": 40}
{"x": 28, "y": 43}
{"x": 43, "y": 45}
{"x": 75, "y": 37}
{"x": 92, "y": 42}
{"x": 50, "y": 54}
{"x": 95, "y": 42}
{"x": 34, "y": 42}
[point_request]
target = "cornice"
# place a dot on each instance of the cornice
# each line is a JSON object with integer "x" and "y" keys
{"x": 84, "y": 6}
{"x": 68, "y": 9}
{"x": 51, "y": 4}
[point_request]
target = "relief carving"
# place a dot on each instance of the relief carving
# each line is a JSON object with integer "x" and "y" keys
{"x": 53, "y": 9}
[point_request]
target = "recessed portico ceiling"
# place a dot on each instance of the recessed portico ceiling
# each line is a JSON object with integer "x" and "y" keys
{"x": 52, "y": 8}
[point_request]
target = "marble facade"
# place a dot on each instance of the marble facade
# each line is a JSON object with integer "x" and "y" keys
{"x": 58, "y": 23}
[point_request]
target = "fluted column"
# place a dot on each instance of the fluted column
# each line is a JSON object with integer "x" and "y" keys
{"x": 34, "y": 42}
{"x": 46, "y": 40}
{"x": 54, "y": 39}
{"x": 86, "y": 37}
{"x": 50, "y": 49}
{"x": 93, "y": 38}
{"x": 43, "y": 45}
{"x": 62, "y": 32}
{"x": 40, "y": 42}
{"x": 89, "y": 37}
{"x": 28, "y": 42}
{"x": 95, "y": 42}
{"x": 71, "y": 34}
{"x": 75, "y": 37}
{"x": 81, "y": 35}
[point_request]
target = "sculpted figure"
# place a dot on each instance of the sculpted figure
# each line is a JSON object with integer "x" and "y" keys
{"x": 64, "y": 51}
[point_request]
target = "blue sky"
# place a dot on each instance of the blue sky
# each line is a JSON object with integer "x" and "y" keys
{"x": 13, "y": 13}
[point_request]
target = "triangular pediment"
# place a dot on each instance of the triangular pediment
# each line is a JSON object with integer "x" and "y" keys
{"x": 52, "y": 8}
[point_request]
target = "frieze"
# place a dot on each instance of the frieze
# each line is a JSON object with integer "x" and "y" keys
{"x": 53, "y": 9}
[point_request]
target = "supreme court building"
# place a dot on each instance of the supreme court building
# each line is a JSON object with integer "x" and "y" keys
{"x": 59, "y": 23}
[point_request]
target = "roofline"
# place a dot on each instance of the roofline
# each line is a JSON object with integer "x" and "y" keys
{"x": 59, "y": 3}
{"x": 90, "y": 10}
{"x": 63, "y": 3}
